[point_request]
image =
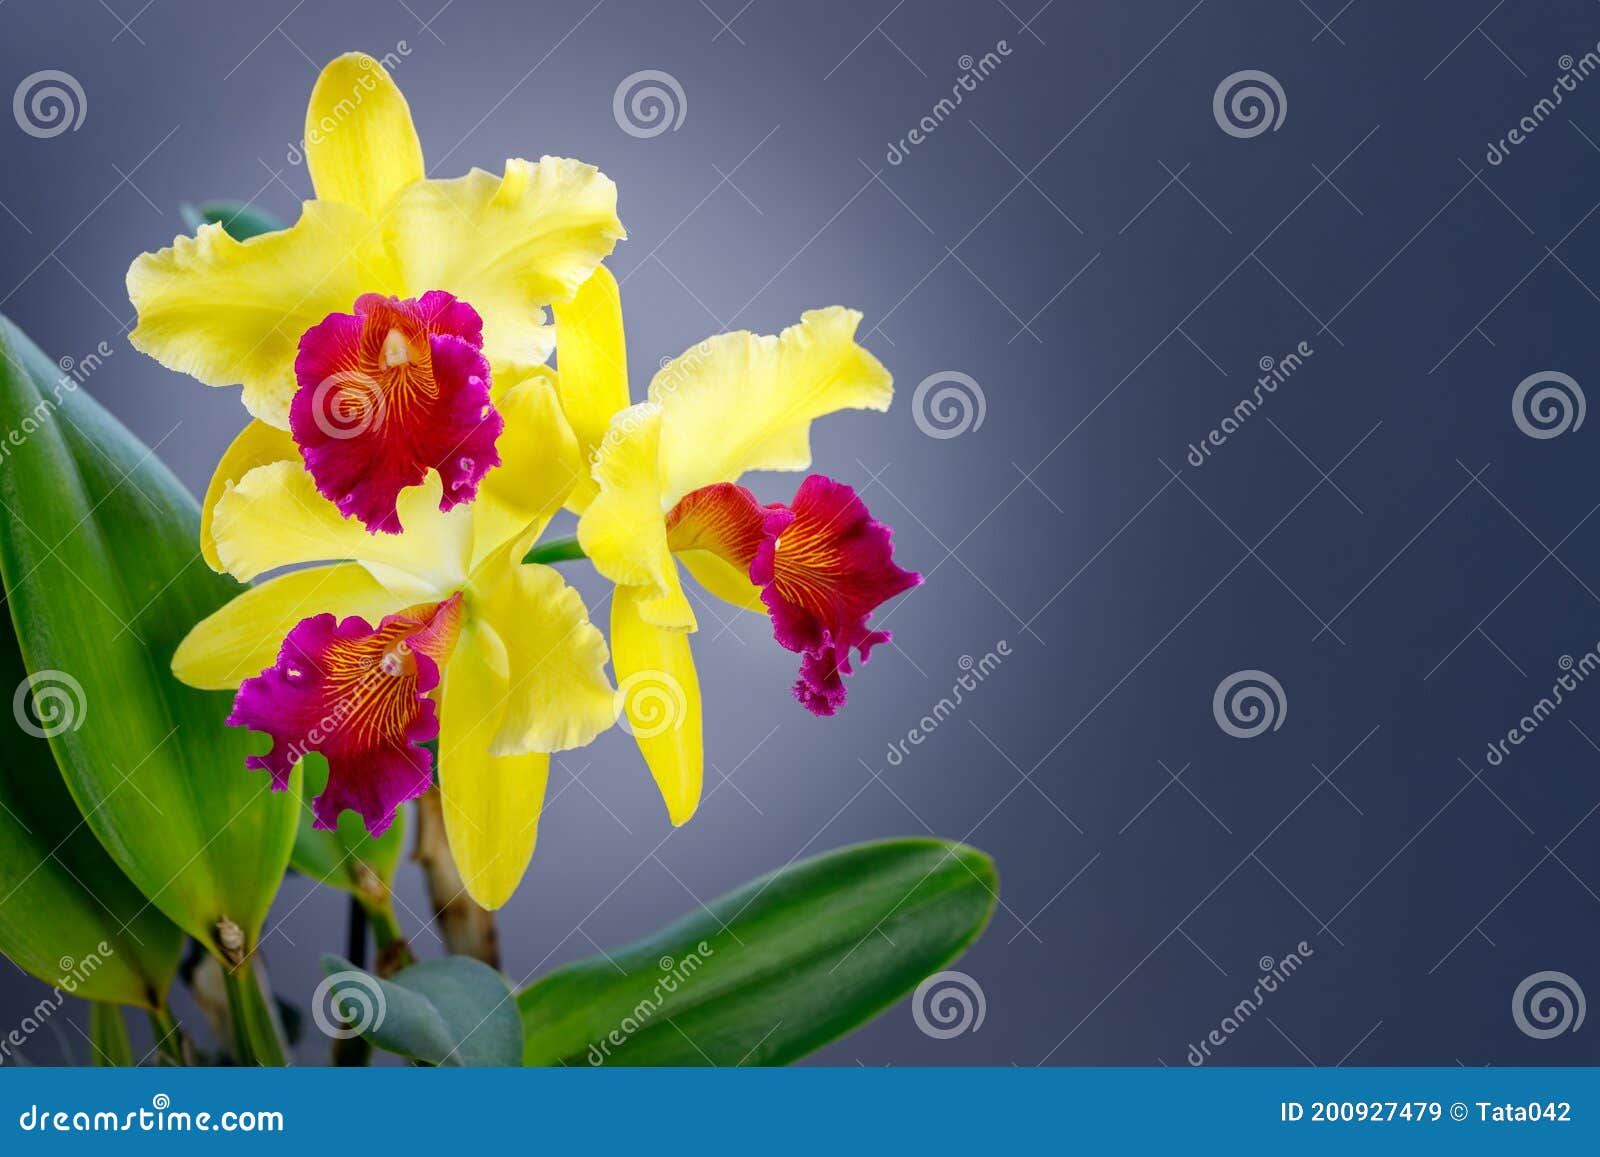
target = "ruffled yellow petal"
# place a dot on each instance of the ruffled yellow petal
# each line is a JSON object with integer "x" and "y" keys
{"x": 624, "y": 529}
{"x": 274, "y": 517}
{"x": 723, "y": 579}
{"x": 508, "y": 245}
{"x": 491, "y": 803}
{"x": 229, "y": 312}
{"x": 538, "y": 465}
{"x": 361, "y": 146}
{"x": 558, "y": 695}
{"x": 243, "y": 637}
{"x": 741, "y": 402}
{"x": 256, "y": 445}
{"x": 593, "y": 357}
{"x": 660, "y": 694}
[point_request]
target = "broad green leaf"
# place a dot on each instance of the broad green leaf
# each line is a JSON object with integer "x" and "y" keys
{"x": 61, "y": 897}
{"x": 108, "y": 1037}
{"x": 773, "y": 971}
{"x": 455, "y": 1011}
{"x": 346, "y": 858}
{"x": 240, "y": 220}
{"x": 99, "y": 553}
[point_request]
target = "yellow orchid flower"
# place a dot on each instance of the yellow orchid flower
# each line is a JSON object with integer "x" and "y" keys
{"x": 386, "y": 448}
{"x": 229, "y": 312}
{"x": 437, "y": 631}
{"x": 664, "y": 491}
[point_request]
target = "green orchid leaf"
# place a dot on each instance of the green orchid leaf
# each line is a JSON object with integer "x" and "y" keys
{"x": 773, "y": 971}
{"x": 67, "y": 913}
{"x": 240, "y": 220}
{"x": 455, "y": 1011}
{"x": 346, "y": 858}
{"x": 98, "y": 551}
{"x": 108, "y": 1037}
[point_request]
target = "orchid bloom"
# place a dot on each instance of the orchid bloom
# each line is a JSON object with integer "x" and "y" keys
{"x": 233, "y": 312}
{"x": 405, "y": 436}
{"x": 438, "y": 632}
{"x": 664, "y": 491}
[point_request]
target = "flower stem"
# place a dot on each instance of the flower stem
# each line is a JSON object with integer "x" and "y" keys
{"x": 108, "y": 1036}
{"x": 355, "y": 946}
{"x": 351, "y": 1052}
{"x": 556, "y": 550}
{"x": 394, "y": 951}
{"x": 354, "y": 1051}
{"x": 255, "y": 1035}
{"x": 468, "y": 929}
{"x": 169, "y": 1037}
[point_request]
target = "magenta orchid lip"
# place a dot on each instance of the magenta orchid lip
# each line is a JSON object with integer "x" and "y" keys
{"x": 360, "y": 696}
{"x": 389, "y": 392}
{"x": 823, "y": 565}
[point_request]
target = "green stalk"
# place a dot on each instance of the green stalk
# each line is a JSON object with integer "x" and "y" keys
{"x": 355, "y": 1051}
{"x": 255, "y": 1035}
{"x": 169, "y": 1037}
{"x": 556, "y": 550}
{"x": 108, "y": 1034}
{"x": 394, "y": 950}
{"x": 351, "y": 1052}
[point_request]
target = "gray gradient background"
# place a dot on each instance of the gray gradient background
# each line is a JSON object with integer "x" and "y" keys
{"x": 1452, "y": 559}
